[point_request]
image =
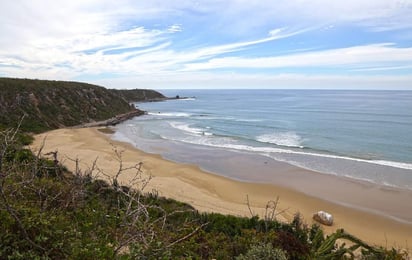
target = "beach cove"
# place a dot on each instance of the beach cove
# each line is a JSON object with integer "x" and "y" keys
{"x": 212, "y": 193}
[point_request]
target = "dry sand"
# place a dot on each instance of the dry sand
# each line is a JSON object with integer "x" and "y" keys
{"x": 212, "y": 193}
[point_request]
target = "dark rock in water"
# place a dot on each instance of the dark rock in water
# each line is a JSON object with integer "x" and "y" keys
{"x": 323, "y": 218}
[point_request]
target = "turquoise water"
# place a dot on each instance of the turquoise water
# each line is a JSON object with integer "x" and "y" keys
{"x": 365, "y": 135}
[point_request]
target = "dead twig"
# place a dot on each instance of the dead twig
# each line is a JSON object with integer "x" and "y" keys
{"x": 188, "y": 235}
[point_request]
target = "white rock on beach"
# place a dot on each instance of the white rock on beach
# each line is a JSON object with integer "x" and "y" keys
{"x": 323, "y": 218}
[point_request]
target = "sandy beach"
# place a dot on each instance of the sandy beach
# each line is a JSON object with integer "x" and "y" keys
{"x": 209, "y": 192}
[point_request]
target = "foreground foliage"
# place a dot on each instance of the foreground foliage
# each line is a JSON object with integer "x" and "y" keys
{"x": 47, "y": 212}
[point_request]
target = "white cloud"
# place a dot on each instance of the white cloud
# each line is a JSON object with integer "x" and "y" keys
{"x": 25, "y": 19}
{"x": 85, "y": 53}
{"x": 369, "y": 13}
{"x": 257, "y": 81}
{"x": 71, "y": 39}
{"x": 208, "y": 52}
{"x": 137, "y": 51}
{"x": 386, "y": 68}
{"x": 358, "y": 56}
{"x": 175, "y": 28}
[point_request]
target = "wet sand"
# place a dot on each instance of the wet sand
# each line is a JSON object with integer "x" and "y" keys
{"x": 299, "y": 190}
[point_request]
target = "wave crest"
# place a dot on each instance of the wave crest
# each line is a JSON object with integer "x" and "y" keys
{"x": 188, "y": 129}
{"x": 290, "y": 139}
{"x": 170, "y": 114}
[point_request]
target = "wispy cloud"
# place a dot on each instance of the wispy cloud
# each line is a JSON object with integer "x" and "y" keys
{"x": 260, "y": 81}
{"x": 385, "y": 68}
{"x": 91, "y": 53}
{"x": 154, "y": 40}
{"x": 358, "y": 56}
{"x": 175, "y": 28}
{"x": 134, "y": 51}
{"x": 212, "y": 51}
{"x": 369, "y": 13}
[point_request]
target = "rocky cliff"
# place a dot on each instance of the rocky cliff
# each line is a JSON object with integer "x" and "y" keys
{"x": 52, "y": 104}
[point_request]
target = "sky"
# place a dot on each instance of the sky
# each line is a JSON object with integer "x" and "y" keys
{"x": 157, "y": 44}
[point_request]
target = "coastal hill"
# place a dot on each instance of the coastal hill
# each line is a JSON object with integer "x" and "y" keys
{"x": 52, "y": 104}
{"x": 136, "y": 95}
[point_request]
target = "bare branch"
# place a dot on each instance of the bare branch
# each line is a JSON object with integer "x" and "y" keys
{"x": 10, "y": 138}
{"x": 248, "y": 205}
{"x": 188, "y": 235}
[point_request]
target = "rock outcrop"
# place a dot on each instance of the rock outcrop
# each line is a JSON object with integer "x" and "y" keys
{"x": 115, "y": 120}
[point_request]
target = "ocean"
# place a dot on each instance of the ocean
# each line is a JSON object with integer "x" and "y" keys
{"x": 356, "y": 134}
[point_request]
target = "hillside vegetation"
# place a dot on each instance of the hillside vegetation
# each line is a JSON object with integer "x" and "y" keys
{"x": 52, "y": 104}
{"x": 136, "y": 95}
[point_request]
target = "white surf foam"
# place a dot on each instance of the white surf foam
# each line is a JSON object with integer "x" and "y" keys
{"x": 248, "y": 120}
{"x": 268, "y": 150}
{"x": 186, "y": 99}
{"x": 170, "y": 114}
{"x": 188, "y": 133}
{"x": 189, "y": 129}
{"x": 290, "y": 139}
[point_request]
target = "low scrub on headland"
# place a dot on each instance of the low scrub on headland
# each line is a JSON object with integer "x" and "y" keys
{"x": 52, "y": 104}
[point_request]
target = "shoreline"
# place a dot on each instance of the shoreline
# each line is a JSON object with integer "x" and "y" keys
{"x": 299, "y": 185}
{"x": 210, "y": 192}
{"x": 242, "y": 166}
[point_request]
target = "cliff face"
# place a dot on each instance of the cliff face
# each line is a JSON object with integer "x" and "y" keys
{"x": 52, "y": 104}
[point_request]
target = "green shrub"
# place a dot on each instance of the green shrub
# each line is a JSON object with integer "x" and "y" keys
{"x": 263, "y": 251}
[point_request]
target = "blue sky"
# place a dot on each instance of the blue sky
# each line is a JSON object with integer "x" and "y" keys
{"x": 210, "y": 44}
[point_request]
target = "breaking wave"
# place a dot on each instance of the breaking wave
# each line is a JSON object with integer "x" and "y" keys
{"x": 289, "y": 139}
